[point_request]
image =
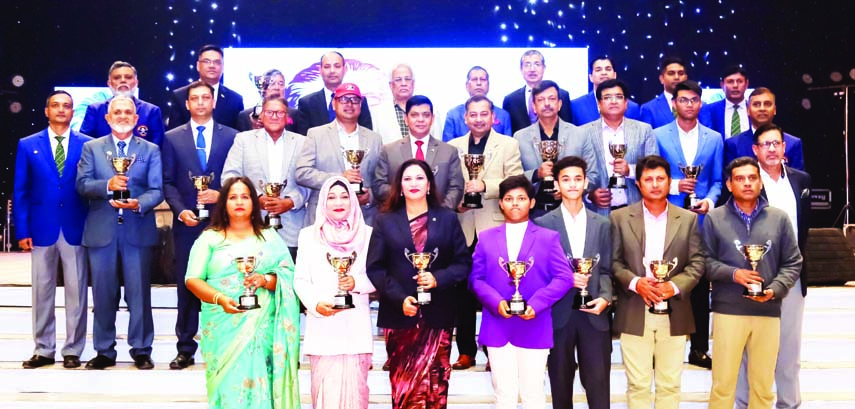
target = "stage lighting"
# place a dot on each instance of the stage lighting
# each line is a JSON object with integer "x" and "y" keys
{"x": 807, "y": 79}
{"x": 836, "y": 76}
{"x": 18, "y": 81}
{"x": 15, "y": 107}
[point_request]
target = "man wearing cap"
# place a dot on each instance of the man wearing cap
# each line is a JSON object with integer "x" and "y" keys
{"x": 316, "y": 109}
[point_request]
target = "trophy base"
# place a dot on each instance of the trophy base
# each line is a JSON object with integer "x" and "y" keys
{"x": 661, "y": 308}
{"x": 548, "y": 185}
{"x": 202, "y": 215}
{"x": 275, "y": 222}
{"x": 472, "y": 201}
{"x": 580, "y": 302}
{"x": 617, "y": 182}
{"x": 357, "y": 188}
{"x": 517, "y": 307}
{"x": 121, "y": 195}
{"x": 343, "y": 302}
{"x": 754, "y": 292}
{"x": 692, "y": 202}
{"x": 423, "y": 298}
{"x": 248, "y": 302}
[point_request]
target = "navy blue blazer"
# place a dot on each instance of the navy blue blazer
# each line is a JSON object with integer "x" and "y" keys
{"x": 314, "y": 112}
{"x": 229, "y": 105}
{"x": 514, "y": 103}
{"x": 585, "y": 109}
{"x": 149, "y": 126}
{"x": 44, "y": 201}
{"x": 657, "y": 111}
{"x": 712, "y": 116}
{"x": 392, "y": 273}
{"x": 738, "y": 146}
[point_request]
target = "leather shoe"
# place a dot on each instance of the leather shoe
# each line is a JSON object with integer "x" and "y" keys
{"x": 70, "y": 361}
{"x": 182, "y": 360}
{"x": 100, "y": 362}
{"x": 143, "y": 361}
{"x": 463, "y": 362}
{"x": 487, "y": 367}
{"x": 38, "y": 361}
{"x": 699, "y": 358}
{"x": 387, "y": 364}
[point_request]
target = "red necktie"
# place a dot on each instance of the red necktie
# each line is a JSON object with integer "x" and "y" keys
{"x": 420, "y": 155}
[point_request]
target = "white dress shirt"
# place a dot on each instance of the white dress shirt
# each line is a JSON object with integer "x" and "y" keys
{"x": 780, "y": 195}
{"x": 615, "y": 136}
{"x": 348, "y": 141}
{"x": 414, "y": 147}
{"x": 654, "y": 242}
{"x": 728, "y": 116}
{"x": 207, "y": 134}
{"x": 275, "y": 155}
{"x": 53, "y": 142}
{"x": 576, "y": 227}
{"x": 514, "y": 233}
{"x": 328, "y": 96}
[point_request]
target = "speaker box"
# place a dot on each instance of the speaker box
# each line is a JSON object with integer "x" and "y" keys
{"x": 830, "y": 255}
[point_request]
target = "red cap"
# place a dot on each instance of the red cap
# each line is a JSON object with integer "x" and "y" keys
{"x": 347, "y": 89}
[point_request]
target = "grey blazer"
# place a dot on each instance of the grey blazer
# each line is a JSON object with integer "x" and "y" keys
{"x": 442, "y": 158}
{"x": 248, "y": 157}
{"x": 573, "y": 142}
{"x": 322, "y": 158}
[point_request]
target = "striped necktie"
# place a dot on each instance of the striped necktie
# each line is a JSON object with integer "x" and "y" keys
{"x": 735, "y": 126}
{"x": 59, "y": 155}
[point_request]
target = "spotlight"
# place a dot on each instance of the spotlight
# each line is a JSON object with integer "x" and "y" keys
{"x": 17, "y": 81}
{"x": 807, "y": 79}
{"x": 806, "y": 104}
{"x": 852, "y": 73}
{"x": 15, "y": 107}
{"x": 836, "y": 76}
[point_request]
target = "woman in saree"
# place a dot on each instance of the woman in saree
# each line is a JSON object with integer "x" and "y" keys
{"x": 250, "y": 354}
{"x": 338, "y": 342}
{"x": 418, "y": 335}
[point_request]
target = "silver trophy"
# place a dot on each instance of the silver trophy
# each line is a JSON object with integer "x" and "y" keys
{"x": 474, "y": 165}
{"x": 753, "y": 253}
{"x": 421, "y": 261}
{"x": 248, "y": 300}
{"x": 661, "y": 269}
{"x": 692, "y": 172}
{"x": 618, "y": 151}
{"x": 583, "y": 266}
{"x": 120, "y": 167}
{"x": 273, "y": 189}
{"x": 201, "y": 184}
{"x": 516, "y": 270}
{"x": 549, "y": 151}
{"x": 343, "y": 299}
{"x": 354, "y": 158}
{"x": 260, "y": 82}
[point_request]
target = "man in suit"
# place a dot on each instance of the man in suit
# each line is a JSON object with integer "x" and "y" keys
{"x": 643, "y": 232}
{"x": 49, "y": 217}
{"x": 197, "y": 148}
{"x": 442, "y": 158}
{"x": 583, "y": 332}
{"x": 129, "y": 238}
{"x": 519, "y": 103}
{"x": 322, "y": 155}
{"x": 550, "y": 127}
{"x": 227, "y": 103}
{"x": 729, "y": 116}
{"x": 660, "y": 110}
{"x": 761, "y": 111}
{"x": 615, "y": 127}
{"x": 274, "y": 84}
{"x": 678, "y": 141}
{"x": 586, "y": 108}
{"x": 787, "y": 189}
{"x": 122, "y": 80}
{"x": 747, "y": 327}
{"x": 269, "y": 155}
{"x": 316, "y": 108}
{"x": 501, "y": 159}
{"x": 477, "y": 84}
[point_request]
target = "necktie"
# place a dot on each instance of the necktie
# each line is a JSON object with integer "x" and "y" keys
{"x": 735, "y": 126}
{"x": 331, "y": 111}
{"x": 531, "y": 114}
{"x": 674, "y": 111}
{"x": 121, "y": 146}
{"x": 59, "y": 155}
{"x": 420, "y": 155}
{"x": 200, "y": 147}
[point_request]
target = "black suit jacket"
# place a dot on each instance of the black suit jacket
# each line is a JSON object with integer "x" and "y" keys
{"x": 392, "y": 273}
{"x": 229, "y": 105}
{"x": 514, "y": 103}
{"x": 314, "y": 112}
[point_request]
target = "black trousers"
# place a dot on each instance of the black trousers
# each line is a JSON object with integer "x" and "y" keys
{"x": 593, "y": 348}
{"x": 467, "y": 311}
{"x": 700, "y": 340}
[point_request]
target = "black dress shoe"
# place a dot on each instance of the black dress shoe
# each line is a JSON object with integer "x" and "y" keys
{"x": 143, "y": 361}
{"x": 699, "y": 358}
{"x": 70, "y": 361}
{"x": 38, "y": 361}
{"x": 182, "y": 360}
{"x": 100, "y": 362}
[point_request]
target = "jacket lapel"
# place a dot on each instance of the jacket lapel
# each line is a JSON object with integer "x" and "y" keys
{"x": 75, "y": 147}
{"x": 591, "y": 242}
{"x": 673, "y": 139}
{"x": 44, "y": 146}
{"x": 636, "y": 223}
{"x": 430, "y": 153}
{"x": 261, "y": 152}
{"x": 671, "y": 227}
{"x": 527, "y": 242}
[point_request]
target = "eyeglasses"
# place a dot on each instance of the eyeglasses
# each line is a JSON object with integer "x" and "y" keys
{"x": 770, "y": 144}
{"x": 349, "y": 99}
{"x": 276, "y": 114}
{"x": 401, "y": 80}
{"x": 533, "y": 64}
{"x": 208, "y": 61}
{"x": 614, "y": 98}
{"x": 688, "y": 101}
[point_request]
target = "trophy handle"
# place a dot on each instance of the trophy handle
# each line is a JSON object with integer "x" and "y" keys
{"x": 190, "y": 175}
{"x": 133, "y": 159}
{"x": 352, "y": 257}
{"x": 596, "y": 261}
{"x": 261, "y": 185}
{"x": 529, "y": 263}
{"x": 768, "y": 247}
{"x": 503, "y": 264}
{"x": 435, "y": 253}
{"x": 673, "y": 264}
{"x": 329, "y": 258}
{"x": 407, "y": 254}
{"x": 738, "y": 245}
{"x": 211, "y": 176}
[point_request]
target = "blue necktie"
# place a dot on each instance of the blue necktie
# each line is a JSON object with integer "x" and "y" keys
{"x": 200, "y": 147}
{"x": 331, "y": 111}
{"x": 121, "y": 146}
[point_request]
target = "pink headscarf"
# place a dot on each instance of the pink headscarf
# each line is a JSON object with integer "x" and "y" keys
{"x": 343, "y": 236}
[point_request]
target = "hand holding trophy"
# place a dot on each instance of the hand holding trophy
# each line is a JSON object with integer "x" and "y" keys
{"x": 583, "y": 266}
{"x": 343, "y": 300}
{"x": 248, "y": 300}
{"x": 661, "y": 269}
{"x": 421, "y": 261}
{"x": 516, "y": 270}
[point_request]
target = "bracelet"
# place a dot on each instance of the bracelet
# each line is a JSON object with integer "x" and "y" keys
{"x": 216, "y": 298}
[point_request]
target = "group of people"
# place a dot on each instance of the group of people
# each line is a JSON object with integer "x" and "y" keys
{"x": 281, "y": 214}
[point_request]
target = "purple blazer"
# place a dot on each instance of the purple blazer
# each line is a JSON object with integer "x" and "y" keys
{"x": 548, "y": 280}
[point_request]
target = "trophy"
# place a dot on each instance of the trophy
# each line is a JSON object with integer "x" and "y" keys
{"x": 753, "y": 253}
{"x": 661, "y": 269}
{"x": 549, "y": 153}
{"x": 474, "y": 165}
{"x": 421, "y": 261}
{"x": 354, "y": 157}
{"x": 273, "y": 189}
{"x": 692, "y": 172}
{"x": 120, "y": 167}
{"x": 618, "y": 151}
{"x": 342, "y": 300}
{"x": 516, "y": 271}
{"x": 201, "y": 184}
{"x": 583, "y": 266}
{"x": 248, "y": 300}
{"x": 260, "y": 82}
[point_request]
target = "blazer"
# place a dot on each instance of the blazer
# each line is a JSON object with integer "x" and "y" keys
{"x": 573, "y": 142}
{"x": 455, "y": 125}
{"x": 149, "y": 126}
{"x": 712, "y": 116}
{"x": 801, "y": 184}
{"x": 314, "y": 112}
{"x": 682, "y": 240}
{"x": 45, "y": 202}
{"x": 248, "y": 157}
{"x": 322, "y": 158}
{"x": 392, "y": 273}
{"x": 442, "y": 158}
{"x": 501, "y": 159}
{"x": 515, "y": 104}
{"x": 179, "y": 160}
{"x": 546, "y": 282}
{"x": 657, "y": 111}
{"x": 385, "y": 122}
{"x": 739, "y": 146}
{"x": 585, "y": 109}
{"x": 145, "y": 182}
{"x": 229, "y": 104}
{"x": 709, "y": 155}
{"x": 597, "y": 241}
{"x": 640, "y": 142}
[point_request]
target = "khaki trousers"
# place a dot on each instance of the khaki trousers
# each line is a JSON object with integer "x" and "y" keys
{"x": 638, "y": 354}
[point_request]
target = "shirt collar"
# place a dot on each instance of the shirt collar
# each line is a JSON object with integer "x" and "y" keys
{"x": 649, "y": 215}
{"x": 65, "y": 134}
{"x": 619, "y": 128}
{"x": 765, "y": 176}
{"x": 342, "y": 131}
{"x": 208, "y": 125}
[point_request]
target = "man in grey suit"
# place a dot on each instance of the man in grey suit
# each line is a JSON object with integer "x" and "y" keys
{"x": 269, "y": 155}
{"x": 614, "y": 128}
{"x": 654, "y": 230}
{"x": 323, "y": 156}
{"x": 550, "y": 127}
{"x": 121, "y": 231}
{"x": 442, "y": 158}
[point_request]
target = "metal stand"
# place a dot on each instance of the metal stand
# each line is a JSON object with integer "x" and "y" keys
{"x": 844, "y": 88}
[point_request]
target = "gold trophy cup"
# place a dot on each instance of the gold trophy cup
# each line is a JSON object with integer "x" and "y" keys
{"x": 273, "y": 189}
{"x": 661, "y": 269}
{"x": 692, "y": 172}
{"x": 516, "y": 270}
{"x": 753, "y": 253}
{"x": 120, "y": 167}
{"x": 343, "y": 300}
{"x": 354, "y": 157}
{"x": 248, "y": 300}
{"x": 201, "y": 184}
{"x": 583, "y": 266}
{"x": 260, "y": 82}
{"x": 618, "y": 151}
{"x": 474, "y": 165}
{"x": 421, "y": 261}
{"x": 549, "y": 151}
